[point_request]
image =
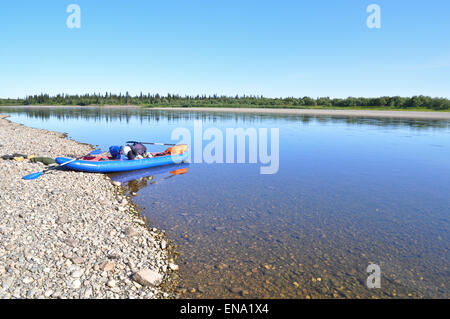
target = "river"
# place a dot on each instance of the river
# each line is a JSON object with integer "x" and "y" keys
{"x": 348, "y": 192}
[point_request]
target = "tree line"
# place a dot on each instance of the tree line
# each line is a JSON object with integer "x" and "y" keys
{"x": 397, "y": 102}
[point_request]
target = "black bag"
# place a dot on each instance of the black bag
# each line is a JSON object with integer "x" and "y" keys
{"x": 138, "y": 149}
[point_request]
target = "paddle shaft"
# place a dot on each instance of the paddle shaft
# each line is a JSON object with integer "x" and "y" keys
{"x": 68, "y": 162}
{"x": 151, "y": 143}
{"x": 95, "y": 152}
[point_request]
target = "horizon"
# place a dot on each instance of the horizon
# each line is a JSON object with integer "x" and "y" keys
{"x": 277, "y": 50}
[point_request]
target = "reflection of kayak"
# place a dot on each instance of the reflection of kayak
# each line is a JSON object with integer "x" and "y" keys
{"x": 136, "y": 180}
{"x": 109, "y": 165}
{"x": 179, "y": 171}
{"x": 174, "y": 169}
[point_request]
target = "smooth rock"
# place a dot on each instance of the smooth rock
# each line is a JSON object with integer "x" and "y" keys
{"x": 75, "y": 284}
{"x": 131, "y": 232}
{"x": 10, "y": 247}
{"x": 78, "y": 260}
{"x": 148, "y": 277}
{"x": 106, "y": 266}
{"x": 88, "y": 293}
{"x": 173, "y": 266}
{"x": 77, "y": 273}
{"x": 236, "y": 290}
{"x": 72, "y": 242}
{"x": 62, "y": 220}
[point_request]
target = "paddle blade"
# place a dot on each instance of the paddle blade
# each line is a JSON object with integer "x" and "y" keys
{"x": 32, "y": 176}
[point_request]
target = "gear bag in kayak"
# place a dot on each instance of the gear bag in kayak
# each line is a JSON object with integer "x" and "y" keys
{"x": 115, "y": 152}
{"x": 138, "y": 149}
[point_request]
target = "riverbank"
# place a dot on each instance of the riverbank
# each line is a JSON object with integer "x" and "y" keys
{"x": 426, "y": 115}
{"x": 71, "y": 234}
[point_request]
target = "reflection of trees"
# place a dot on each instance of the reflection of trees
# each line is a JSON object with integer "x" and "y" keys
{"x": 149, "y": 115}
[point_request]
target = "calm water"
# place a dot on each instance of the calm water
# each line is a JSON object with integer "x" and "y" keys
{"x": 348, "y": 192}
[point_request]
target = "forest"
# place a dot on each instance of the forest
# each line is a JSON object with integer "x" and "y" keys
{"x": 175, "y": 100}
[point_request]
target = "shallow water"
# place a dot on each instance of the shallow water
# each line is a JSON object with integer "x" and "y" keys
{"x": 349, "y": 192}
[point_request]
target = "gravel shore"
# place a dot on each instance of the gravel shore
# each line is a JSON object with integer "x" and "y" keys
{"x": 70, "y": 234}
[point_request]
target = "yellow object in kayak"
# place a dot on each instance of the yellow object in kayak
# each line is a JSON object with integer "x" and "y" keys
{"x": 177, "y": 149}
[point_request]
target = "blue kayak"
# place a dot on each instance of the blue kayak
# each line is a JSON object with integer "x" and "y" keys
{"x": 110, "y": 166}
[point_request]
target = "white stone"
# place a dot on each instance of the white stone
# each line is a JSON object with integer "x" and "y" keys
{"x": 88, "y": 293}
{"x": 173, "y": 266}
{"x": 148, "y": 277}
{"x": 76, "y": 284}
{"x": 77, "y": 273}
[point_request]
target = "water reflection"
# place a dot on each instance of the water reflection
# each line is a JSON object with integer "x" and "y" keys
{"x": 133, "y": 181}
{"x": 98, "y": 114}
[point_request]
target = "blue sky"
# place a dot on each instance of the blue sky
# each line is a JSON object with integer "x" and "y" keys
{"x": 273, "y": 48}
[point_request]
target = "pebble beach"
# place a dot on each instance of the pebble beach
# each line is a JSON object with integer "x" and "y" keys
{"x": 71, "y": 234}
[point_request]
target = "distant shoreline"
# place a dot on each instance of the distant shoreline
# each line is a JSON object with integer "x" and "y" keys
{"x": 323, "y": 112}
{"x": 426, "y": 115}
